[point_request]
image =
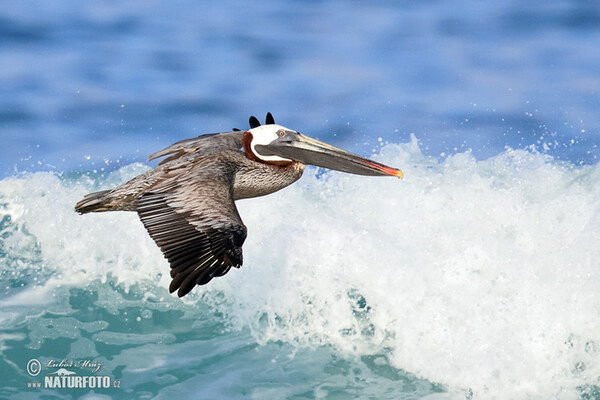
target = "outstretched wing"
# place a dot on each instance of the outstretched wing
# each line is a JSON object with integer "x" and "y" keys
{"x": 204, "y": 143}
{"x": 195, "y": 223}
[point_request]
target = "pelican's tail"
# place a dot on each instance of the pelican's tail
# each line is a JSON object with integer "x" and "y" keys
{"x": 94, "y": 202}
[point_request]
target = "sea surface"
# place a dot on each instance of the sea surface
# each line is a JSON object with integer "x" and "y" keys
{"x": 477, "y": 276}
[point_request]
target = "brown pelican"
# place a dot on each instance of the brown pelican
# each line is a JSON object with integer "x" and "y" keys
{"x": 187, "y": 202}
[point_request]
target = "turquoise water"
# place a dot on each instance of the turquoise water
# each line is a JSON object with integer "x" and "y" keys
{"x": 475, "y": 277}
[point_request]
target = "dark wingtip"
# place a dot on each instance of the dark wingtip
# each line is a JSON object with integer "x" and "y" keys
{"x": 236, "y": 129}
{"x": 254, "y": 122}
{"x": 183, "y": 290}
{"x": 269, "y": 120}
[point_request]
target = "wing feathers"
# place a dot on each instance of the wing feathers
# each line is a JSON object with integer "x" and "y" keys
{"x": 203, "y": 143}
{"x": 198, "y": 245}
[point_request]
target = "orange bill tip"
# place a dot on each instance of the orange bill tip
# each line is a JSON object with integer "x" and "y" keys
{"x": 385, "y": 169}
{"x": 393, "y": 172}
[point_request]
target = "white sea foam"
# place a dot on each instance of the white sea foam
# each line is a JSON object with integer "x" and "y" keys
{"x": 480, "y": 275}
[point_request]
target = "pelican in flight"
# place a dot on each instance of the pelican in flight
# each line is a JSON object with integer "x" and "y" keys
{"x": 187, "y": 202}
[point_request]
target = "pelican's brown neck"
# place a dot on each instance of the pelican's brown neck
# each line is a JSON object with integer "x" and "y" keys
{"x": 246, "y": 140}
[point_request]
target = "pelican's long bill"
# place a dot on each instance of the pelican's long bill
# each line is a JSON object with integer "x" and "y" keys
{"x": 306, "y": 150}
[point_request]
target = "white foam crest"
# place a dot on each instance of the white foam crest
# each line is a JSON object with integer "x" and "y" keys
{"x": 483, "y": 276}
{"x": 480, "y": 275}
{"x": 72, "y": 249}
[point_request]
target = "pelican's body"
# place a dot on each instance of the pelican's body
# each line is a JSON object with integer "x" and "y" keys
{"x": 187, "y": 202}
{"x": 206, "y": 158}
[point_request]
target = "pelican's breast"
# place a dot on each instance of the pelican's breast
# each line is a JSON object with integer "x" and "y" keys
{"x": 258, "y": 179}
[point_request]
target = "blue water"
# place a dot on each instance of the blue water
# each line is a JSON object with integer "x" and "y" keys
{"x": 477, "y": 276}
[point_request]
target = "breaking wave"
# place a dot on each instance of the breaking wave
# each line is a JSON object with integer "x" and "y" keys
{"x": 481, "y": 277}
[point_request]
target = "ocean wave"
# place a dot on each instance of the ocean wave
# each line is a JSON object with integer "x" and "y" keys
{"x": 482, "y": 276}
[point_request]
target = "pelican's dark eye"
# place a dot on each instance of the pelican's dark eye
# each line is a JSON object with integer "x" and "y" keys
{"x": 281, "y": 133}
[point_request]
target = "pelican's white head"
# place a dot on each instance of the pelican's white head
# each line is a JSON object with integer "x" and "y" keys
{"x": 264, "y": 135}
